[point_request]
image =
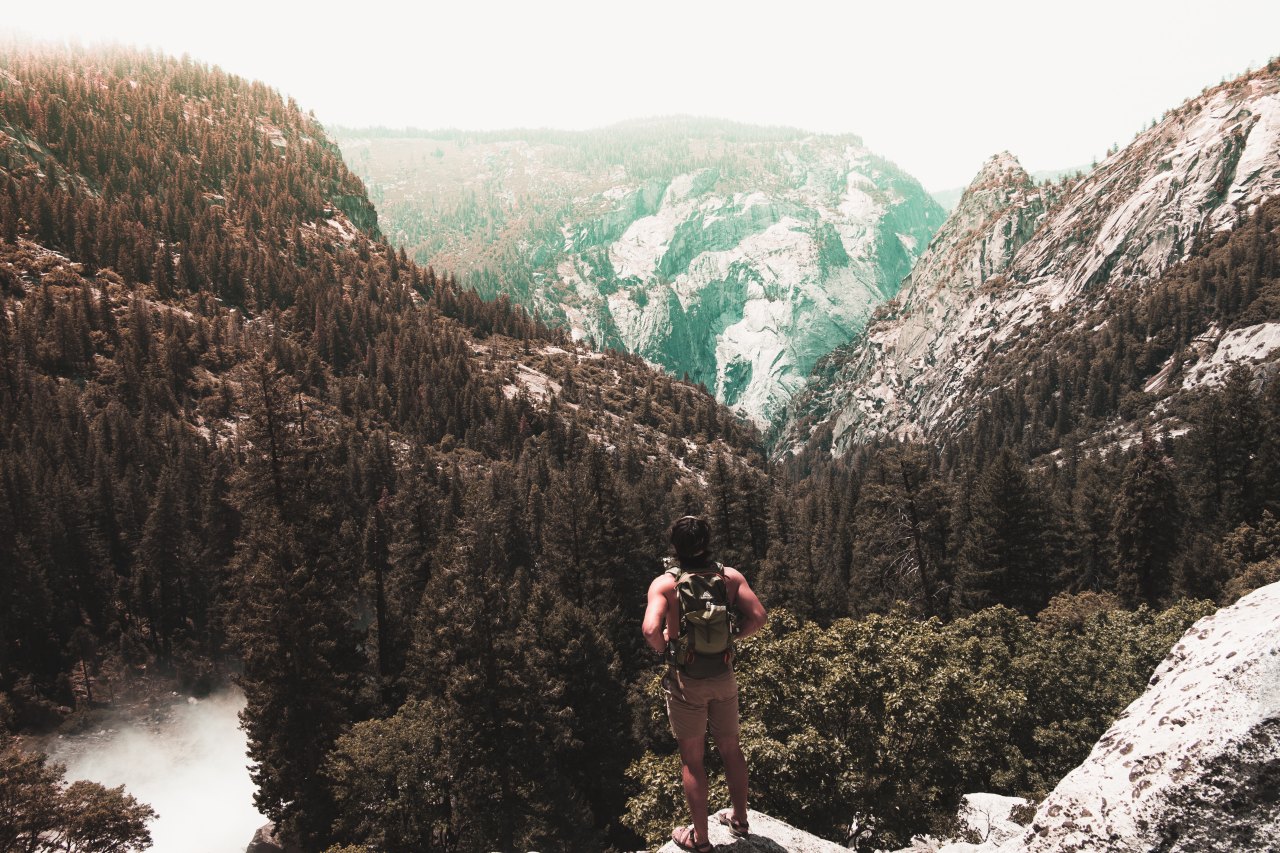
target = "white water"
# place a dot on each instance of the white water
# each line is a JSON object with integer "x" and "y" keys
{"x": 192, "y": 769}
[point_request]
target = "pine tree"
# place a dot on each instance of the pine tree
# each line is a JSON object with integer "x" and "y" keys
{"x": 1145, "y": 528}
{"x": 1087, "y": 562}
{"x": 462, "y": 657}
{"x": 1266, "y": 468}
{"x": 302, "y": 664}
{"x": 377, "y": 569}
{"x": 1007, "y": 555}
{"x": 1225, "y": 434}
{"x": 162, "y": 558}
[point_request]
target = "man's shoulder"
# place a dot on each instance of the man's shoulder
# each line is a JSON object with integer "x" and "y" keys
{"x": 662, "y": 583}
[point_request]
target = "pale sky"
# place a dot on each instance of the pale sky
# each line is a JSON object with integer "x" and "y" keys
{"x": 936, "y": 87}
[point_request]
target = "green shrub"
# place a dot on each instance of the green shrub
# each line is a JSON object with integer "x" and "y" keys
{"x": 889, "y": 720}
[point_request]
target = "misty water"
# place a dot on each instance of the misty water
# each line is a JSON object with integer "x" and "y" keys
{"x": 190, "y": 767}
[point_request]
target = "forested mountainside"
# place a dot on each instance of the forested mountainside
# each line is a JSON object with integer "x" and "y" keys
{"x": 240, "y": 435}
{"x": 737, "y": 255}
{"x": 239, "y": 432}
{"x": 1080, "y": 280}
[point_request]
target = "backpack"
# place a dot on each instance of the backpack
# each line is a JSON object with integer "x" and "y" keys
{"x": 707, "y": 623}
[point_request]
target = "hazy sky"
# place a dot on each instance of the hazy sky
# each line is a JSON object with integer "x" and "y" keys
{"x": 934, "y": 86}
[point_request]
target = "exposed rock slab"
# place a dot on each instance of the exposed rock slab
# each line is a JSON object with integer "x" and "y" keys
{"x": 767, "y": 836}
{"x": 1194, "y": 763}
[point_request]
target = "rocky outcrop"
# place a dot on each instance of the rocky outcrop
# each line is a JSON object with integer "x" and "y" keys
{"x": 983, "y": 821}
{"x": 767, "y": 836}
{"x": 1012, "y": 255}
{"x": 1194, "y": 763}
{"x": 737, "y": 255}
{"x": 989, "y": 818}
{"x": 265, "y": 841}
{"x": 1192, "y": 766}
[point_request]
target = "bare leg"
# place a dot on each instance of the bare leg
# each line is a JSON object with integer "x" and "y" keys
{"x": 694, "y": 776}
{"x": 735, "y": 772}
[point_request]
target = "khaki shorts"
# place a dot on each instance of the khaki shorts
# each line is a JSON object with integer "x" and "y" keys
{"x": 693, "y": 702}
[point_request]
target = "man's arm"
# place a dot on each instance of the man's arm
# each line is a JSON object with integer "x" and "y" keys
{"x": 750, "y": 610}
{"x": 655, "y": 614}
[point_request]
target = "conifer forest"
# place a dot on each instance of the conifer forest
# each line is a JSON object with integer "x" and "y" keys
{"x": 246, "y": 440}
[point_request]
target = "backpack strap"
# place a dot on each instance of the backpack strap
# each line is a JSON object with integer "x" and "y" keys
{"x": 731, "y": 601}
{"x": 677, "y": 572}
{"x": 720, "y": 571}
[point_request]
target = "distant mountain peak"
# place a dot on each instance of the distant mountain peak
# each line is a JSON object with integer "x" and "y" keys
{"x": 1015, "y": 256}
{"x": 1002, "y": 166}
{"x": 734, "y": 254}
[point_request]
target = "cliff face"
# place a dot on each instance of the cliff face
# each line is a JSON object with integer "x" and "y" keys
{"x": 1194, "y": 763}
{"x": 1013, "y": 257}
{"x": 879, "y": 384}
{"x": 738, "y": 256}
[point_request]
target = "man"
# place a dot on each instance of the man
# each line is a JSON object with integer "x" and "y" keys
{"x": 701, "y": 688}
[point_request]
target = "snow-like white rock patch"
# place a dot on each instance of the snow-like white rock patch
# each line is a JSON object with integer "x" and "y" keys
{"x": 1241, "y": 346}
{"x": 346, "y": 232}
{"x": 531, "y": 381}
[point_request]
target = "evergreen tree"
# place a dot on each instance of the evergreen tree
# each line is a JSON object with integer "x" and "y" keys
{"x": 1266, "y": 467}
{"x": 1146, "y": 526}
{"x": 159, "y": 573}
{"x": 1007, "y": 556}
{"x": 1222, "y": 445}
{"x": 1087, "y": 560}
{"x": 302, "y": 664}
{"x": 377, "y": 570}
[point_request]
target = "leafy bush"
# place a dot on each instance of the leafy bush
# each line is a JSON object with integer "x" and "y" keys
{"x": 887, "y": 721}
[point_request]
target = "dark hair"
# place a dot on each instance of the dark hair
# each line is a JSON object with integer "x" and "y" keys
{"x": 691, "y": 536}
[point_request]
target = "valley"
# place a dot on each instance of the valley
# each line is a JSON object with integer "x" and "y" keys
{"x": 732, "y": 254}
{"x": 395, "y": 456}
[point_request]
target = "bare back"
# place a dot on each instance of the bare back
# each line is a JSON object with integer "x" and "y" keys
{"x": 662, "y": 613}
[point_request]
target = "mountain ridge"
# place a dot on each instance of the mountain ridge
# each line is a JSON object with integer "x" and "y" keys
{"x": 733, "y": 253}
{"x": 1198, "y": 172}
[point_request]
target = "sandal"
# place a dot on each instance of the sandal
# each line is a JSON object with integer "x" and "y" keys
{"x": 737, "y": 828}
{"x": 684, "y": 839}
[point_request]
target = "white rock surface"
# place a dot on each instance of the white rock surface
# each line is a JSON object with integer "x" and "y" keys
{"x": 1250, "y": 345}
{"x": 1193, "y": 765}
{"x": 988, "y": 817}
{"x": 768, "y": 835}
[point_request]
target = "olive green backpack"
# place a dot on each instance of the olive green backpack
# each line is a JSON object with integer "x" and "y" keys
{"x": 707, "y": 622}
